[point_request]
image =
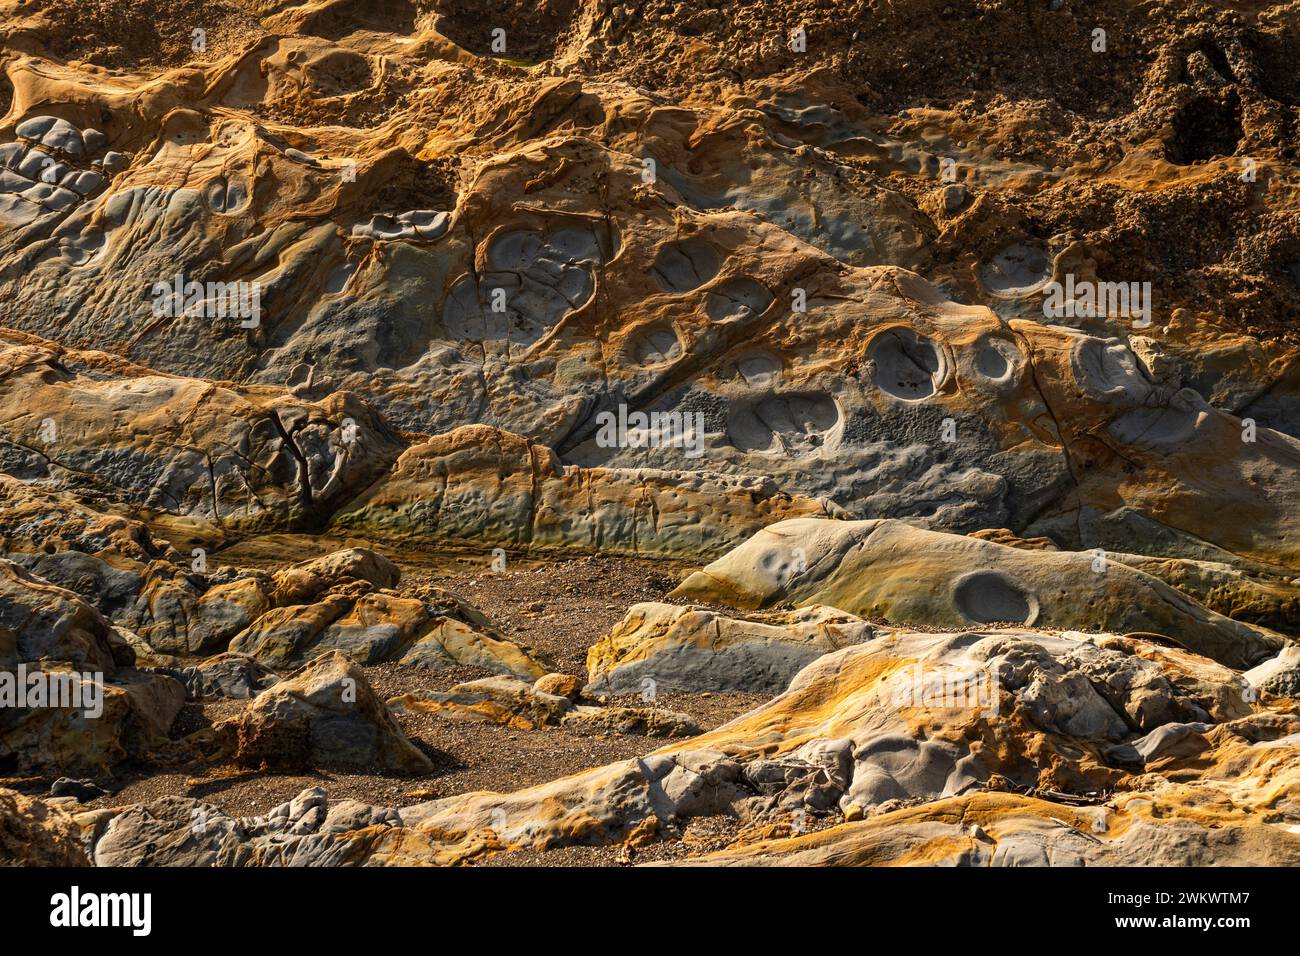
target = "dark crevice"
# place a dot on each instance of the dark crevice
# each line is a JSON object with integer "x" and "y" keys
{"x": 1207, "y": 127}
{"x": 304, "y": 472}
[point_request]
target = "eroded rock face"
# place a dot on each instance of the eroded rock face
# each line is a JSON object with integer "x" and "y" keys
{"x": 508, "y": 702}
{"x": 306, "y": 831}
{"x": 69, "y": 699}
{"x": 939, "y": 723}
{"x": 441, "y": 235}
{"x": 1278, "y": 675}
{"x": 499, "y": 700}
{"x": 490, "y": 487}
{"x": 658, "y": 283}
{"x": 230, "y": 676}
{"x": 880, "y": 381}
{"x": 912, "y": 576}
{"x": 885, "y": 731}
{"x": 225, "y": 613}
{"x": 34, "y": 833}
{"x": 35, "y": 520}
{"x": 127, "y": 716}
{"x": 44, "y": 622}
{"x": 1007, "y": 830}
{"x": 236, "y": 457}
{"x": 675, "y": 648}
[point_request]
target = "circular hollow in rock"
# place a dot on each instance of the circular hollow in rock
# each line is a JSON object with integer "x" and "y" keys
{"x": 338, "y": 72}
{"x": 656, "y": 346}
{"x": 991, "y": 597}
{"x": 1018, "y": 270}
{"x": 908, "y": 366}
{"x": 759, "y": 369}
{"x": 574, "y": 245}
{"x": 737, "y": 299}
{"x": 1108, "y": 369}
{"x": 226, "y": 196}
{"x": 686, "y": 265}
{"x": 781, "y": 565}
{"x": 992, "y": 363}
{"x": 514, "y": 250}
{"x": 996, "y": 360}
{"x": 791, "y": 424}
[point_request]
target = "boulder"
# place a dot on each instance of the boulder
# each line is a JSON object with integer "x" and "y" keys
{"x": 71, "y": 701}
{"x": 170, "y": 831}
{"x": 560, "y": 685}
{"x": 39, "y": 620}
{"x": 104, "y": 722}
{"x": 231, "y": 676}
{"x": 36, "y": 833}
{"x": 506, "y": 701}
{"x": 435, "y": 630}
{"x": 635, "y": 721}
{"x": 324, "y": 714}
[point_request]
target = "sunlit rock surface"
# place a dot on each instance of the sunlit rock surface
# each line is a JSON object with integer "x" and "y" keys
{"x": 943, "y": 360}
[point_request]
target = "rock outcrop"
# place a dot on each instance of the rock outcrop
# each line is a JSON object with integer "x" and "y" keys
{"x": 34, "y": 833}
{"x": 69, "y": 699}
{"x": 492, "y": 488}
{"x": 508, "y": 702}
{"x": 908, "y": 575}
{"x": 345, "y": 602}
{"x": 944, "y": 359}
{"x": 664, "y": 646}
{"x": 930, "y": 740}
{"x": 91, "y": 423}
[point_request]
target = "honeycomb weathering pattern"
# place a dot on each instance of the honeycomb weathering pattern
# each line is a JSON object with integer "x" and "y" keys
{"x": 937, "y": 339}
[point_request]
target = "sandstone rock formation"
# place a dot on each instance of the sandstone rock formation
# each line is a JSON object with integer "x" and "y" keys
{"x": 68, "y": 698}
{"x": 1278, "y": 675}
{"x": 961, "y": 729}
{"x": 1007, "y": 830}
{"x": 943, "y": 359}
{"x": 669, "y": 647}
{"x": 224, "y": 675}
{"x": 923, "y": 718}
{"x": 94, "y": 424}
{"x": 325, "y": 713}
{"x": 912, "y": 576}
{"x": 512, "y": 703}
{"x": 491, "y": 487}
{"x": 345, "y": 602}
{"x": 33, "y": 833}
